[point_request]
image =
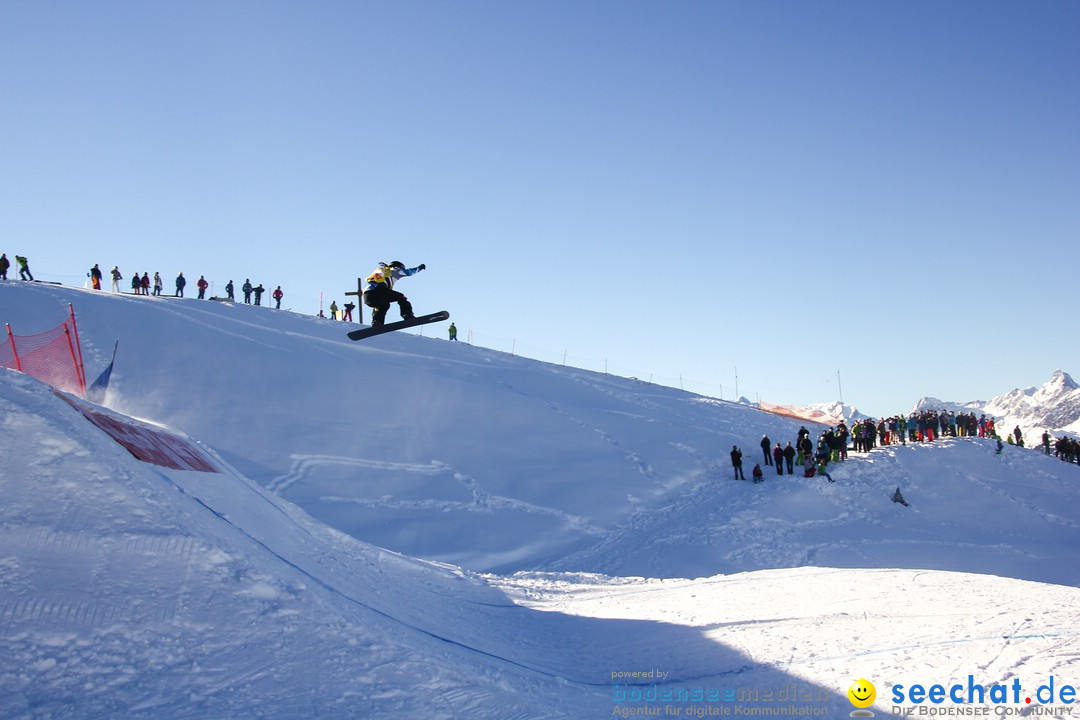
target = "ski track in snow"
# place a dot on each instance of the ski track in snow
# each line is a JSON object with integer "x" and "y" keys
{"x": 307, "y": 465}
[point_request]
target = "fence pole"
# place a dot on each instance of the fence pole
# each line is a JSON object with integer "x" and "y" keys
{"x": 80, "y": 369}
{"x": 75, "y": 360}
{"x": 11, "y": 337}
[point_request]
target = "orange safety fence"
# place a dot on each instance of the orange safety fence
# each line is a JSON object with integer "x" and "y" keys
{"x": 798, "y": 413}
{"x": 53, "y": 356}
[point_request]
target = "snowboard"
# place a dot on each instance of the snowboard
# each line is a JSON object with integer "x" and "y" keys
{"x": 399, "y": 325}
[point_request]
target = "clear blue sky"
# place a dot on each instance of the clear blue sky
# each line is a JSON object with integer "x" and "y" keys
{"x": 885, "y": 190}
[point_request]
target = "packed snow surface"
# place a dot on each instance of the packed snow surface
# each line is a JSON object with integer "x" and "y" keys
{"x": 408, "y": 527}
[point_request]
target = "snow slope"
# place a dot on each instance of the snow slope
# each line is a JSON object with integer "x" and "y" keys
{"x": 128, "y": 589}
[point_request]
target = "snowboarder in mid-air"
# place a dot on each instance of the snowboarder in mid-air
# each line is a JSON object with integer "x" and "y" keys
{"x": 380, "y": 292}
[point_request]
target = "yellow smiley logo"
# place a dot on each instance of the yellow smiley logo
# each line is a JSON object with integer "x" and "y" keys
{"x": 862, "y": 693}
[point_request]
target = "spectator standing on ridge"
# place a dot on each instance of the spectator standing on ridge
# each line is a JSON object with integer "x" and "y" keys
{"x": 202, "y": 285}
{"x": 766, "y": 448}
{"x": 259, "y": 290}
{"x": 347, "y": 315}
{"x": 4, "y": 265}
{"x": 333, "y": 310}
{"x": 453, "y": 331}
{"x": 246, "y": 287}
{"x": 181, "y": 281}
{"x": 1046, "y": 441}
{"x": 736, "y": 462}
{"x": 229, "y": 290}
{"x": 277, "y": 295}
{"x": 1018, "y": 436}
{"x": 116, "y": 278}
{"x": 145, "y": 284}
{"x": 135, "y": 285}
{"x": 157, "y": 284}
{"x": 95, "y": 277}
{"x": 778, "y": 459}
{"x": 24, "y": 268}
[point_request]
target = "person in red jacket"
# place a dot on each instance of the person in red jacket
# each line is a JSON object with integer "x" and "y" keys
{"x": 277, "y": 297}
{"x": 202, "y": 285}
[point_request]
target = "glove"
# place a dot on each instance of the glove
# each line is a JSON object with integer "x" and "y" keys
{"x": 421, "y": 266}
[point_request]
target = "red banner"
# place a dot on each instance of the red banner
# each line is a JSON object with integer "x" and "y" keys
{"x": 148, "y": 444}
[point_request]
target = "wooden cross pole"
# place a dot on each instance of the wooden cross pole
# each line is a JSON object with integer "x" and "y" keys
{"x": 359, "y": 300}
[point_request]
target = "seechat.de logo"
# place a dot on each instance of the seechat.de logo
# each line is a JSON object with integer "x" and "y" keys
{"x": 862, "y": 694}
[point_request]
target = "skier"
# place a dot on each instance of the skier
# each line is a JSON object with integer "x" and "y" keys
{"x": 736, "y": 462}
{"x": 380, "y": 292}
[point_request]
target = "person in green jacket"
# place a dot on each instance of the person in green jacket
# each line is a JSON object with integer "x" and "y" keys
{"x": 24, "y": 268}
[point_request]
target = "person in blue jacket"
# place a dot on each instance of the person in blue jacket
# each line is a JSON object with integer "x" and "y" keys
{"x": 380, "y": 292}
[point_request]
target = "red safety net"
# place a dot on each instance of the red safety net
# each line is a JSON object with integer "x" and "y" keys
{"x": 53, "y": 356}
{"x": 814, "y": 416}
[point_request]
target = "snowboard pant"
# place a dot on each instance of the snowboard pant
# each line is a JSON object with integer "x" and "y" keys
{"x": 380, "y": 299}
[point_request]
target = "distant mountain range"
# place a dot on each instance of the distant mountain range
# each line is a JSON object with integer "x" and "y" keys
{"x": 1053, "y": 406}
